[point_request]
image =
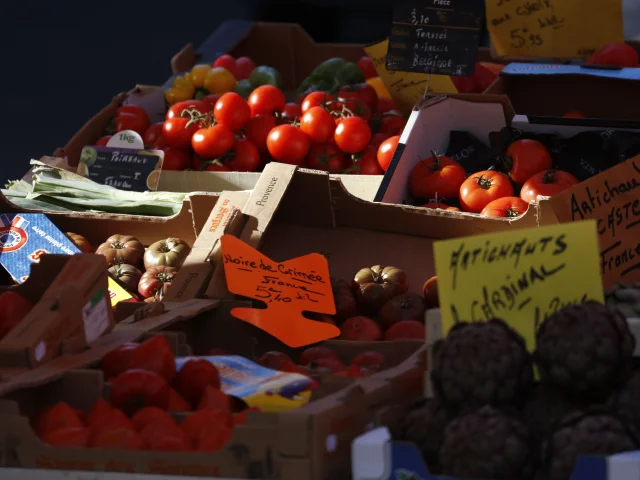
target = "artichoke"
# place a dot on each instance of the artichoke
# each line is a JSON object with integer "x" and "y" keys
{"x": 487, "y": 444}
{"x": 593, "y": 432}
{"x": 481, "y": 363}
{"x": 626, "y": 401}
{"x": 545, "y": 408}
{"x": 586, "y": 350}
{"x": 625, "y": 298}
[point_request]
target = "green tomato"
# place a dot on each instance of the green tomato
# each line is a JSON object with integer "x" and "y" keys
{"x": 244, "y": 88}
{"x": 265, "y": 75}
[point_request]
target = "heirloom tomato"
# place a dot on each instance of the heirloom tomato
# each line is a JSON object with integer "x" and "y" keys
{"x": 509, "y": 207}
{"x": 122, "y": 249}
{"x": 430, "y": 293}
{"x": 619, "y": 54}
{"x": 156, "y": 281}
{"x": 406, "y": 330}
{"x": 436, "y": 177}
{"x": 345, "y": 301}
{"x": 79, "y": 241}
{"x": 409, "y": 306}
{"x": 525, "y": 158}
{"x": 170, "y": 252}
{"x": 546, "y": 184}
{"x": 484, "y": 187}
{"x": 374, "y": 286}
{"x": 126, "y": 275}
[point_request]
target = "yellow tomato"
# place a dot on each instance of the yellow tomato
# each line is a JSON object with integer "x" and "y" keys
{"x": 219, "y": 81}
{"x": 198, "y": 75}
{"x": 181, "y": 90}
{"x": 379, "y": 87}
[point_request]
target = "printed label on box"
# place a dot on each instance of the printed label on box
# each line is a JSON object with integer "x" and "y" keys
{"x": 95, "y": 316}
{"x": 25, "y": 237}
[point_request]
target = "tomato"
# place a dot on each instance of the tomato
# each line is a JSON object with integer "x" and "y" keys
{"x": 406, "y": 330}
{"x": 292, "y": 110}
{"x": 13, "y": 309}
{"x": 68, "y": 437}
{"x": 287, "y": 144}
{"x": 79, "y": 241}
{"x": 377, "y": 139}
{"x": 213, "y": 141}
{"x": 200, "y": 105}
{"x": 392, "y": 124}
{"x": 165, "y": 437}
{"x": 386, "y": 151}
{"x": 232, "y": 111}
{"x": 152, "y": 134}
{"x": 210, "y": 101}
{"x": 369, "y": 359}
{"x": 227, "y": 62}
{"x": 365, "y": 64}
{"x": 119, "y": 438}
{"x": 318, "y": 124}
{"x": 361, "y": 93}
{"x": 436, "y": 177}
{"x": 155, "y": 355}
{"x": 483, "y": 187}
{"x": 525, "y": 158}
{"x": 368, "y": 163}
{"x": 352, "y": 134}
{"x": 99, "y": 410}
{"x": 244, "y": 67}
{"x": 132, "y": 110}
{"x": 160, "y": 143}
{"x": 619, "y": 54}
{"x": 118, "y": 360}
{"x": 510, "y": 207}
{"x": 210, "y": 428}
{"x": 246, "y": 157}
{"x": 385, "y": 104}
{"x": 176, "y": 132}
{"x": 441, "y": 206}
{"x": 312, "y": 354}
{"x": 148, "y": 415}
{"x": 360, "y": 329}
{"x": 316, "y": 99}
{"x": 266, "y": 99}
{"x": 214, "y": 398}
{"x": 258, "y": 129}
{"x": 430, "y": 293}
{"x": 357, "y": 108}
{"x": 176, "y": 158}
{"x": 327, "y": 157}
{"x": 177, "y": 403}
{"x": 194, "y": 376}
{"x": 131, "y": 121}
{"x": 546, "y": 184}
{"x": 102, "y": 142}
{"x": 134, "y": 389}
{"x": 574, "y": 114}
{"x": 119, "y": 249}
{"x": 208, "y": 165}
{"x": 56, "y": 417}
{"x": 111, "y": 418}
{"x": 274, "y": 360}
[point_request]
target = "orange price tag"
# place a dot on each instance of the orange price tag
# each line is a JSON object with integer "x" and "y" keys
{"x": 288, "y": 288}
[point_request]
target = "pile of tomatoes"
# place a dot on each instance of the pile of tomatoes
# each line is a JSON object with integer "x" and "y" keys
{"x": 349, "y": 131}
{"x": 527, "y": 168}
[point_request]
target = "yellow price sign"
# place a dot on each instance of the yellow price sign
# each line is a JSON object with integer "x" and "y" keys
{"x": 553, "y": 28}
{"x": 522, "y": 277}
{"x": 406, "y": 88}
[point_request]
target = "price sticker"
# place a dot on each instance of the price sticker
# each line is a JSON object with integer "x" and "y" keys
{"x": 287, "y": 288}
{"x": 522, "y": 277}
{"x": 553, "y": 28}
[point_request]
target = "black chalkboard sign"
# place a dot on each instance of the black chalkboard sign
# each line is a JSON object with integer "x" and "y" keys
{"x": 123, "y": 168}
{"x": 435, "y": 36}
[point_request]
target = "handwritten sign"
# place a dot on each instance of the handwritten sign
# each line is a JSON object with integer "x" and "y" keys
{"x": 288, "y": 288}
{"x": 435, "y": 36}
{"x": 406, "y": 88}
{"x": 553, "y": 28}
{"x": 123, "y": 168}
{"x": 612, "y": 199}
{"x": 522, "y": 277}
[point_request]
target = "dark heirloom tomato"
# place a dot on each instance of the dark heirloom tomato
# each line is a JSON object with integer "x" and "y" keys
{"x": 122, "y": 249}
{"x": 403, "y": 307}
{"x": 374, "y": 286}
{"x": 80, "y": 242}
{"x": 170, "y": 252}
{"x": 346, "y": 305}
{"x": 156, "y": 281}
{"x": 134, "y": 389}
{"x": 127, "y": 275}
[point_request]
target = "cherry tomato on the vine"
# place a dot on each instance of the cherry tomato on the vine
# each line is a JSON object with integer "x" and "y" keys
{"x": 208, "y": 165}
{"x": 352, "y": 134}
{"x": 177, "y": 134}
{"x": 244, "y": 67}
{"x": 292, "y": 111}
{"x": 377, "y": 139}
{"x": 246, "y": 157}
{"x": 132, "y": 121}
{"x": 362, "y": 92}
{"x": 483, "y": 187}
{"x": 316, "y": 99}
{"x": 318, "y": 124}
{"x": 232, "y": 111}
{"x": 287, "y": 144}
{"x": 210, "y": 101}
{"x": 266, "y": 99}
{"x": 227, "y": 62}
{"x": 176, "y": 159}
{"x": 386, "y": 150}
{"x": 258, "y": 129}
{"x": 213, "y": 141}
{"x": 369, "y": 162}
{"x": 327, "y": 157}
{"x": 385, "y": 105}
{"x": 152, "y": 134}
{"x": 176, "y": 109}
{"x": 133, "y": 110}
{"x": 392, "y": 124}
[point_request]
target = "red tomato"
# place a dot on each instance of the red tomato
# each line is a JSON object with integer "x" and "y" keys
{"x": 441, "y": 206}
{"x": 258, "y": 129}
{"x": 209, "y": 429}
{"x": 406, "y": 330}
{"x": 214, "y": 398}
{"x": 546, "y": 184}
{"x": 227, "y": 62}
{"x": 155, "y": 355}
{"x": 194, "y": 376}
{"x": 102, "y": 142}
{"x": 135, "y": 389}
{"x": 327, "y": 157}
{"x": 362, "y": 92}
{"x": 483, "y": 187}
{"x": 392, "y": 124}
{"x": 118, "y": 360}
{"x": 210, "y": 101}
{"x": 110, "y": 419}
{"x": 316, "y": 99}
{"x": 574, "y": 114}
{"x": 165, "y": 437}
{"x": 176, "y": 158}
{"x": 287, "y": 144}
{"x": 365, "y": 64}
{"x": 148, "y": 415}
{"x": 246, "y": 157}
{"x": 318, "y": 124}
{"x": 368, "y": 359}
{"x": 360, "y": 329}
{"x": 312, "y": 354}
{"x": 131, "y": 121}
{"x": 208, "y": 165}
{"x": 525, "y": 158}
{"x": 177, "y": 134}
{"x": 386, "y": 151}
{"x": 352, "y": 134}
{"x": 133, "y": 110}
{"x": 160, "y": 143}
{"x": 56, "y": 417}
{"x": 232, "y": 111}
{"x": 385, "y": 104}
{"x": 244, "y": 67}
{"x": 619, "y": 54}
{"x": 368, "y": 163}
{"x": 357, "y": 108}
{"x": 292, "y": 110}
{"x": 377, "y": 139}
{"x": 177, "y": 108}
{"x": 510, "y": 207}
{"x": 436, "y": 177}
{"x": 274, "y": 360}
{"x": 213, "y": 141}
{"x": 152, "y": 134}
{"x": 177, "y": 403}
{"x": 266, "y": 99}
{"x": 13, "y": 309}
